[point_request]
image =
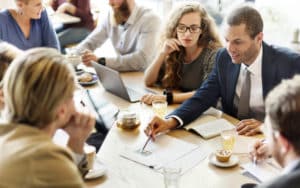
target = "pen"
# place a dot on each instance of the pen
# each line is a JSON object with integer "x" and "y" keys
{"x": 254, "y": 160}
{"x": 147, "y": 141}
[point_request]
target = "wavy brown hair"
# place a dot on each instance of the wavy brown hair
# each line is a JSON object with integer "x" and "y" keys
{"x": 208, "y": 39}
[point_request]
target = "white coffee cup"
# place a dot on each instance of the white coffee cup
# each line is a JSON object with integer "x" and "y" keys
{"x": 90, "y": 152}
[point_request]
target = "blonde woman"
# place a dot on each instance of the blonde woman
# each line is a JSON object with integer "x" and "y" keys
{"x": 186, "y": 56}
{"x": 37, "y": 103}
{"x": 8, "y": 53}
{"x": 27, "y": 26}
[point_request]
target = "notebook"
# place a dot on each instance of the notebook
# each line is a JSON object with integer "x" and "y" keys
{"x": 209, "y": 124}
{"x": 211, "y": 129}
{"x": 112, "y": 82}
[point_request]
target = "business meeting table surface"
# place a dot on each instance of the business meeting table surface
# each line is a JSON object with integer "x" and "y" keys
{"x": 124, "y": 173}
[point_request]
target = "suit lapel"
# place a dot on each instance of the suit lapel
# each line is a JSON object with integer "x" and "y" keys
{"x": 233, "y": 73}
{"x": 268, "y": 70}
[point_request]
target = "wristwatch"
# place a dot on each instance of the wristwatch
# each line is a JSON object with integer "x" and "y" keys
{"x": 169, "y": 95}
{"x": 102, "y": 61}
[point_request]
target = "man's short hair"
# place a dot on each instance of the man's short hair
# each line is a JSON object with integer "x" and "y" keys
{"x": 283, "y": 109}
{"x": 249, "y": 16}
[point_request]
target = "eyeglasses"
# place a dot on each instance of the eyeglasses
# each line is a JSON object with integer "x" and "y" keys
{"x": 183, "y": 28}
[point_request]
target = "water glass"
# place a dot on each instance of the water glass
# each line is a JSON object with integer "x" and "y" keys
{"x": 228, "y": 139}
{"x": 160, "y": 108}
{"x": 171, "y": 177}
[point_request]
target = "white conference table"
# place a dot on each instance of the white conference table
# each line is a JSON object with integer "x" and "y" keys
{"x": 122, "y": 173}
{"x": 62, "y": 18}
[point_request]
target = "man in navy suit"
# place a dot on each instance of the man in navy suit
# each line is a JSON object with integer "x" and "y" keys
{"x": 283, "y": 133}
{"x": 245, "y": 54}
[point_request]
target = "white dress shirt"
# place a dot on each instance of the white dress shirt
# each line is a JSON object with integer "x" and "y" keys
{"x": 256, "y": 92}
{"x": 133, "y": 42}
{"x": 291, "y": 166}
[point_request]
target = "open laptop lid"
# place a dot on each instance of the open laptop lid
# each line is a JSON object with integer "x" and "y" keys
{"x": 112, "y": 81}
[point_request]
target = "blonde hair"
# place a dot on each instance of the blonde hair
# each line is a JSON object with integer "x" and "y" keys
{"x": 8, "y": 53}
{"x": 209, "y": 38}
{"x": 35, "y": 84}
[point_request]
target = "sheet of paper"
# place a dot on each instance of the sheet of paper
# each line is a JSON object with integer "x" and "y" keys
{"x": 164, "y": 150}
{"x": 190, "y": 159}
{"x": 264, "y": 171}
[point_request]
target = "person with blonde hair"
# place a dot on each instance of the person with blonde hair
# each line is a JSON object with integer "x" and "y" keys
{"x": 8, "y": 53}
{"x": 27, "y": 26}
{"x": 38, "y": 93}
{"x": 187, "y": 53}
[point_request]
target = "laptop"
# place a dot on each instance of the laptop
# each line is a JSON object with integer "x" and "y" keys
{"x": 112, "y": 82}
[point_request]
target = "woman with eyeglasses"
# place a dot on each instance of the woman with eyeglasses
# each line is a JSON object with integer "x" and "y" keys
{"x": 186, "y": 56}
{"x": 27, "y": 26}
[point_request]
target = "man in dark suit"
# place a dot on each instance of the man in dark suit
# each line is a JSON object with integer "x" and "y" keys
{"x": 283, "y": 133}
{"x": 244, "y": 73}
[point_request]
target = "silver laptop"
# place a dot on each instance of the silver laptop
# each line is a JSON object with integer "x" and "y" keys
{"x": 112, "y": 82}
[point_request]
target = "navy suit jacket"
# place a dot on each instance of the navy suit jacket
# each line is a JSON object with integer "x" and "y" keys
{"x": 277, "y": 64}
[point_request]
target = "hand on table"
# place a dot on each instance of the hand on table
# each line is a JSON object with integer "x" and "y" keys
{"x": 87, "y": 57}
{"x": 148, "y": 98}
{"x": 249, "y": 127}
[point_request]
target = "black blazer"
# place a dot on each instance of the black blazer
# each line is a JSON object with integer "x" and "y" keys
{"x": 290, "y": 180}
{"x": 277, "y": 64}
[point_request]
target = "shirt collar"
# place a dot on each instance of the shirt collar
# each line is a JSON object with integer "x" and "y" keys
{"x": 132, "y": 16}
{"x": 255, "y": 67}
{"x": 291, "y": 166}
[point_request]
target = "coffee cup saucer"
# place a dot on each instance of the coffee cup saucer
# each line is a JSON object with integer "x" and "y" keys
{"x": 234, "y": 160}
{"x": 98, "y": 170}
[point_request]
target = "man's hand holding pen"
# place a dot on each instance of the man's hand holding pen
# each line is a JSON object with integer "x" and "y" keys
{"x": 259, "y": 151}
{"x": 158, "y": 125}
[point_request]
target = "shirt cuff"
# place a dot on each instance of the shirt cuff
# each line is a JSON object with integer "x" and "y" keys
{"x": 178, "y": 119}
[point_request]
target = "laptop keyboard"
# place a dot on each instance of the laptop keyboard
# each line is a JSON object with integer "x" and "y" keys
{"x": 133, "y": 93}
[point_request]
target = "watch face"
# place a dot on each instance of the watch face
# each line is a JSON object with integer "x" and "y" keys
{"x": 102, "y": 61}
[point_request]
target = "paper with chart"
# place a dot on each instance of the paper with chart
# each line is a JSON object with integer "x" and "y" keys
{"x": 164, "y": 151}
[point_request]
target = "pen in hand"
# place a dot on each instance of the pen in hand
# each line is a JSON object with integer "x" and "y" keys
{"x": 254, "y": 160}
{"x": 146, "y": 143}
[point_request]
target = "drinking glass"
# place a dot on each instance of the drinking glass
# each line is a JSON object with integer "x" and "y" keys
{"x": 171, "y": 177}
{"x": 228, "y": 139}
{"x": 159, "y": 107}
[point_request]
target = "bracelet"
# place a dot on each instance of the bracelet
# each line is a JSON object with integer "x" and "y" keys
{"x": 102, "y": 61}
{"x": 169, "y": 95}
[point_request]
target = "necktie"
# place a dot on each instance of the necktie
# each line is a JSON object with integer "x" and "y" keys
{"x": 244, "y": 102}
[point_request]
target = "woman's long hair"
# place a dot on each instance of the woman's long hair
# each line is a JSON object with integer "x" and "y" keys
{"x": 208, "y": 39}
